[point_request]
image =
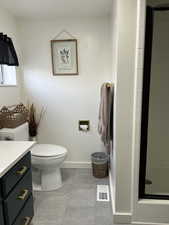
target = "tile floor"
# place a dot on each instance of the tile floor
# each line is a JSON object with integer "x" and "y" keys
{"x": 74, "y": 204}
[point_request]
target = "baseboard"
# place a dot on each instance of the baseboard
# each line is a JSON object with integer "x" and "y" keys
{"x": 118, "y": 217}
{"x": 122, "y": 218}
{"x": 72, "y": 164}
{"x": 144, "y": 223}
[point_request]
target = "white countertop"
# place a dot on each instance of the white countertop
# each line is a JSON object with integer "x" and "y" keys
{"x": 11, "y": 152}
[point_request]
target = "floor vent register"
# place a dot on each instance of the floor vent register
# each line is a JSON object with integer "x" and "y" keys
{"x": 103, "y": 193}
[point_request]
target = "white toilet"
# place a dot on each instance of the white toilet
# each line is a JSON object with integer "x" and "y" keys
{"x": 46, "y": 162}
{"x": 46, "y": 159}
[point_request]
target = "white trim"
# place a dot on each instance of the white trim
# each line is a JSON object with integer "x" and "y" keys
{"x": 122, "y": 218}
{"x": 143, "y": 223}
{"x": 153, "y": 202}
{"x": 8, "y": 85}
{"x": 118, "y": 217}
{"x": 111, "y": 190}
{"x": 74, "y": 164}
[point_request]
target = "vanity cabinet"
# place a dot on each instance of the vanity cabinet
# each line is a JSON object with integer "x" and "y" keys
{"x": 1, "y": 214}
{"x": 13, "y": 176}
{"x": 16, "y": 206}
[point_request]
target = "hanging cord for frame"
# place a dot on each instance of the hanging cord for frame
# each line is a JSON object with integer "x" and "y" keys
{"x": 64, "y": 32}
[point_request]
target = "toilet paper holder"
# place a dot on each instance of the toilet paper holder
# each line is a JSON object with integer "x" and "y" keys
{"x": 84, "y": 125}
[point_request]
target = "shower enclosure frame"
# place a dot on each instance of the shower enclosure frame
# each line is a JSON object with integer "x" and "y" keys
{"x": 145, "y": 102}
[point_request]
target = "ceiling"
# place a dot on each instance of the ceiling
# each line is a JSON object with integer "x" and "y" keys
{"x": 49, "y": 9}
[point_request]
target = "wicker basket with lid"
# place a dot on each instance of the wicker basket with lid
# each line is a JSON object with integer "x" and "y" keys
{"x": 12, "y": 118}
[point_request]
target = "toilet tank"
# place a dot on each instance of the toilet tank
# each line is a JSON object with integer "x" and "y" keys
{"x": 20, "y": 133}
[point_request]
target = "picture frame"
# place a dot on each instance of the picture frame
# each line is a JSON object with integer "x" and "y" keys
{"x": 64, "y": 57}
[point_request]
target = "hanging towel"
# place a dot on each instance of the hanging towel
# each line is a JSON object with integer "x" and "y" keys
{"x": 104, "y": 127}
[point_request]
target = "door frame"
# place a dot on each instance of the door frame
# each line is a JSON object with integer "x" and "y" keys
{"x": 145, "y": 102}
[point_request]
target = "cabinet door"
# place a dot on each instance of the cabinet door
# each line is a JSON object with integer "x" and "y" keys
{"x": 26, "y": 214}
{"x": 17, "y": 198}
{"x": 1, "y": 214}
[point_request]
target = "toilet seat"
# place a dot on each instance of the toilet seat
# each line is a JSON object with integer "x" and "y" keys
{"x": 48, "y": 151}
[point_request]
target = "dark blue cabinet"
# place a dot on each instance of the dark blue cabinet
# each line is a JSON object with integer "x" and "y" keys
{"x": 16, "y": 200}
{"x": 13, "y": 176}
{"x": 26, "y": 215}
{"x": 1, "y": 214}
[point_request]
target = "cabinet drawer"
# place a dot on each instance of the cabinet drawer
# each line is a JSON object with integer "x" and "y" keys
{"x": 26, "y": 214}
{"x": 17, "y": 198}
{"x": 10, "y": 179}
{"x": 1, "y": 214}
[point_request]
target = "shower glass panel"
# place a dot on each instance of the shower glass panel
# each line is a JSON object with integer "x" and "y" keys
{"x": 154, "y": 157}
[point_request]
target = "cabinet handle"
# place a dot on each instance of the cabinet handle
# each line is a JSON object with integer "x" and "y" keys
{"x": 24, "y": 195}
{"x": 27, "y": 220}
{"x": 22, "y": 171}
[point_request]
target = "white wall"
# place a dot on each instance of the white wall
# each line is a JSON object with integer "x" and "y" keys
{"x": 10, "y": 95}
{"x": 126, "y": 22}
{"x": 67, "y": 98}
{"x": 114, "y": 43}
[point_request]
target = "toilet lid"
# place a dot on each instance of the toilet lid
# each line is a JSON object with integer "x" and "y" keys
{"x": 46, "y": 150}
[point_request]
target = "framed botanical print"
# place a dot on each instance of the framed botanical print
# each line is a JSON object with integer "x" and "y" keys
{"x": 64, "y": 57}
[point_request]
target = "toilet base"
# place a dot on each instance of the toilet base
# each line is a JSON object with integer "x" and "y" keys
{"x": 47, "y": 180}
